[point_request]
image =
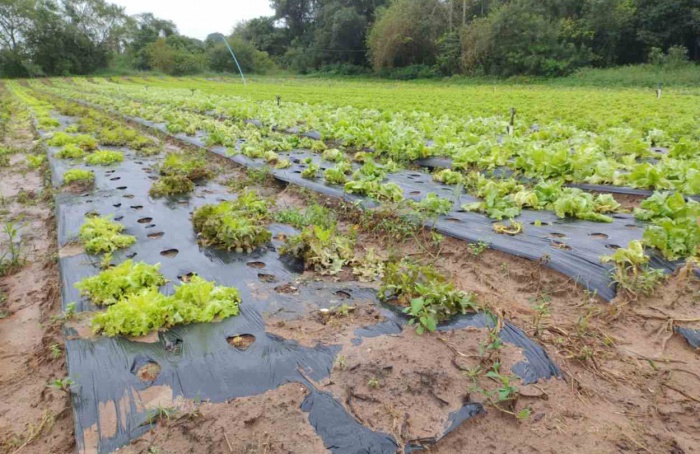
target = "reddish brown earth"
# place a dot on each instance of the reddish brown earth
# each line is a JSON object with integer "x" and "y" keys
{"x": 34, "y": 418}
{"x": 629, "y": 383}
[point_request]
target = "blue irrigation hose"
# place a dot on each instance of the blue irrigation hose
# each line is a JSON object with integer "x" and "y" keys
{"x": 234, "y": 59}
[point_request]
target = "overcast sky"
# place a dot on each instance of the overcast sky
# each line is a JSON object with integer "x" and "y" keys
{"x": 201, "y": 17}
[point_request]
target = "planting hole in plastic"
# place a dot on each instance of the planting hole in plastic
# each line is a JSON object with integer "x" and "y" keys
{"x": 267, "y": 278}
{"x": 241, "y": 342}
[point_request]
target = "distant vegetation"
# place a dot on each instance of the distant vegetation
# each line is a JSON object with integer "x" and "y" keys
{"x": 398, "y": 39}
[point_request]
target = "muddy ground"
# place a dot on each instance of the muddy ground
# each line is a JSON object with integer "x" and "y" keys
{"x": 34, "y": 417}
{"x": 629, "y": 383}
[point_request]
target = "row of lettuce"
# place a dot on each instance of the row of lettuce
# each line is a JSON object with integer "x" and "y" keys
{"x": 652, "y": 158}
{"x": 130, "y": 291}
{"x": 674, "y": 232}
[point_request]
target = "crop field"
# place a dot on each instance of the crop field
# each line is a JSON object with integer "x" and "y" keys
{"x": 302, "y": 266}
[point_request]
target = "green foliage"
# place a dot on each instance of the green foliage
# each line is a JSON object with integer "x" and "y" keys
{"x": 675, "y": 228}
{"x": 104, "y": 158}
{"x": 101, "y": 234}
{"x": 171, "y": 185}
{"x": 118, "y": 282}
{"x": 84, "y": 142}
{"x": 311, "y": 171}
{"x": 337, "y": 174}
{"x": 236, "y": 225}
{"x": 631, "y": 272}
{"x": 448, "y": 176}
{"x": 427, "y": 296}
{"x": 251, "y": 59}
{"x": 13, "y": 259}
{"x": 494, "y": 203}
{"x": 120, "y": 136}
{"x": 433, "y": 205}
{"x": 505, "y": 199}
{"x": 478, "y": 248}
{"x": 138, "y": 313}
{"x": 333, "y": 155}
{"x": 192, "y": 167}
{"x": 35, "y": 161}
{"x": 175, "y": 55}
{"x": 78, "y": 175}
{"x": 416, "y": 25}
{"x": 522, "y": 37}
{"x": 323, "y": 249}
{"x": 368, "y": 268}
{"x": 387, "y": 192}
{"x": 70, "y": 151}
{"x": 314, "y": 214}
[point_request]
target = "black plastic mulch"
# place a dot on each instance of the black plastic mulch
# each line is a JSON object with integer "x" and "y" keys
{"x": 570, "y": 246}
{"x": 112, "y": 405}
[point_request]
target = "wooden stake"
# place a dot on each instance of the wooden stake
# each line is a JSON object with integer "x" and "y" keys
{"x": 512, "y": 121}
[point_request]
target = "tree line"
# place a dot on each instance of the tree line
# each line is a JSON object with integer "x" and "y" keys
{"x": 395, "y": 38}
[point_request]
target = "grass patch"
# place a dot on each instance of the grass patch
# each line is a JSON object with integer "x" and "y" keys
{"x": 314, "y": 214}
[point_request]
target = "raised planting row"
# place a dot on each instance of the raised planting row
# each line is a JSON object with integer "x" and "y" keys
{"x": 657, "y": 155}
{"x": 199, "y": 273}
{"x": 546, "y": 234}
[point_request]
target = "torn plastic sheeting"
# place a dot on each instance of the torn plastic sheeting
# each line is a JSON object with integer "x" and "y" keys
{"x": 131, "y": 355}
{"x": 537, "y": 365}
{"x": 340, "y": 432}
{"x": 455, "y": 420}
{"x": 106, "y": 366}
{"x": 202, "y": 366}
{"x": 202, "y": 347}
{"x": 692, "y": 336}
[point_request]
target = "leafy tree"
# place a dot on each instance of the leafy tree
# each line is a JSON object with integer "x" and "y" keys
{"x": 262, "y": 33}
{"x": 146, "y": 29}
{"x": 340, "y": 35}
{"x": 665, "y": 23}
{"x": 177, "y": 55}
{"x": 250, "y": 59}
{"x": 406, "y": 33}
{"x": 297, "y": 14}
{"x": 519, "y": 38}
{"x": 15, "y": 17}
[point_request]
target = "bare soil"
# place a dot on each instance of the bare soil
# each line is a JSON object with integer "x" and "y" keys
{"x": 34, "y": 418}
{"x": 629, "y": 383}
{"x": 271, "y": 423}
